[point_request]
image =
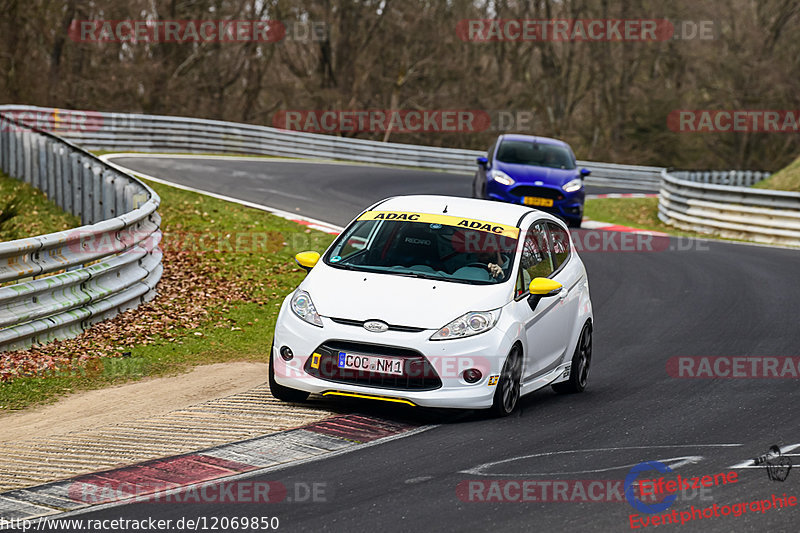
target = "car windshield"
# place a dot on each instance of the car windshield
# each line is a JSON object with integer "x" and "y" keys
{"x": 535, "y": 154}
{"x": 439, "y": 247}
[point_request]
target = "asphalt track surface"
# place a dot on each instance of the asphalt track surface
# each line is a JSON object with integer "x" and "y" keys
{"x": 334, "y": 193}
{"x": 694, "y": 298}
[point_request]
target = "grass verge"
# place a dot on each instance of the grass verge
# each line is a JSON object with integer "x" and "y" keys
{"x": 227, "y": 268}
{"x": 641, "y": 213}
{"x": 786, "y": 179}
{"x": 26, "y": 212}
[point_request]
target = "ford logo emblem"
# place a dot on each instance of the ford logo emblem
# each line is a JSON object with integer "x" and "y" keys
{"x": 538, "y": 183}
{"x": 375, "y": 326}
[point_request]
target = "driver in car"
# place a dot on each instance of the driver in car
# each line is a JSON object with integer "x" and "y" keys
{"x": 494, "y": 262}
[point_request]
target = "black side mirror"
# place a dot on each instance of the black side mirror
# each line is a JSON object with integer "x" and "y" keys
{"x": 483, "y": 162}
{"x": 585, "y": 172}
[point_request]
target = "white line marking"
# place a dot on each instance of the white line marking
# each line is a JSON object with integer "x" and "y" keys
{"x": 279, "y": 159}
{"x": 479, "y": 470}
{"x": 748, "y": 463}
{"x": 318, "y": 224}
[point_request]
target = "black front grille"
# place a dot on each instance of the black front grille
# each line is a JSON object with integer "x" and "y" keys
{"x": 418, "y": 373}
{"x": 538, "y": 192}
{"x": 392, "y": 327}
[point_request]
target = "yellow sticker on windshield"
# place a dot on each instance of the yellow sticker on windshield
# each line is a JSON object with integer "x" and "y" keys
{"x": 447, "y": 220}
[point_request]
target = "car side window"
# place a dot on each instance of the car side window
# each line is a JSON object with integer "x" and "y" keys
{"x": 560, "y": 241}
{"x": 536, "y": 260}
{"x": 490, "y": 153}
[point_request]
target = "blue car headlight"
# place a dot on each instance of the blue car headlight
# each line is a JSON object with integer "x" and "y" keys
{"x": 502, "y": 178}
{"x": 573, "y": 185}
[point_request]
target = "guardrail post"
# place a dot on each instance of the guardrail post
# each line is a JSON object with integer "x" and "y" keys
{"x": 19, "y": 160}
{"x": 66, "y": 181}
{"x": 36, "y": 150}
{"x": 26, "y": 157}
{"x": 109, "y": 192}
{"x": 58, "y": 167}
{"x": 50, "y": 151}
{"x": 3, "y": 144}
{"x": 128, "y": 193}
{"x": 119, "y": 195}
{"x": 97, "y": 193}
{"x": 12, "y": 154}
{"x": 87, "y": 186}
{"x": 41, "y": 152}
{"x": 77, "y": 184}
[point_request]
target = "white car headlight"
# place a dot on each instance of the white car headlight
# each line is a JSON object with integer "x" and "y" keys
{"x": 501, "y": 177}
{"x": 467, "y": 325}
{"x": 573, "y": 185}
{"x": 304, "y": 308}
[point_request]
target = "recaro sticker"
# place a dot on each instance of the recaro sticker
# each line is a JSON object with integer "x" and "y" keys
{"x": 447, "y": 220}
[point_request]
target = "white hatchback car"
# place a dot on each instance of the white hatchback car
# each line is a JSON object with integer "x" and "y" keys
{"x": 438, "y": 301}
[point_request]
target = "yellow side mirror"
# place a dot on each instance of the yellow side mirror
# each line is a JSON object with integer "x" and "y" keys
{"x": 544, "y": 287}
{"x": 307, "y": 260}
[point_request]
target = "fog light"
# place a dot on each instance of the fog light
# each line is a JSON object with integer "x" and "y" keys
{"x": 286, "y": 353}
{"x": 472, "y": 375}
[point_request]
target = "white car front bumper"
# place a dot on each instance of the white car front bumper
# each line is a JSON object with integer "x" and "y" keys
{"x": 449, "y": 359}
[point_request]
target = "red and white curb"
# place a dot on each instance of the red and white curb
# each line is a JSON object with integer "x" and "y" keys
{"x": 607, "y": 226}
{"x": 155, "y": 480}
{"x": 621, "y": 195}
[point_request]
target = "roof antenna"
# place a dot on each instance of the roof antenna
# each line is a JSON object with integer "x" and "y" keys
{"x": 445, "y": 209}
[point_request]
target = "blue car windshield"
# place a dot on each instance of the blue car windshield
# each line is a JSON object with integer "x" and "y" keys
{"x": 535, "y": 154}
{"x": 440, "y": 250}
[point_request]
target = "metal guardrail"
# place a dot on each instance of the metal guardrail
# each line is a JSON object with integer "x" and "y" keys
{"x": 55, "y": 286}
{"x": 154, "y": 133}
{"x": 737, "y": 178}
{"x": 760, "y": 215}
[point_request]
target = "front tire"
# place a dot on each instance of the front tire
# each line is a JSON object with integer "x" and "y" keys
{"x": 282, "y": 393}
{"x": 581, "y": 361}
{"x": 506, "y": 396}
{"x": 574, "y": 223}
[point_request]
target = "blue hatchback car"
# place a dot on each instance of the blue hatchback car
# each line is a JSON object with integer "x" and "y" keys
{"x": 535, "y": 171}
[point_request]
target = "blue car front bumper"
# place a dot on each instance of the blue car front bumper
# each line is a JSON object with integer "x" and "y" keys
{"x": 568, "y": 206}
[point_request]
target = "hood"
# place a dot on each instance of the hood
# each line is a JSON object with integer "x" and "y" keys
{"x": 398, "y": 300}
{"x": 527, "y": 174}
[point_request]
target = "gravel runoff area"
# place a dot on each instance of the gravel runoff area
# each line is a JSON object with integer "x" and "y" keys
{"x": 107, "y": 428}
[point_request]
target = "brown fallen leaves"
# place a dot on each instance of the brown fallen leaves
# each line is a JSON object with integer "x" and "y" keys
{"x": 195, "y": 289}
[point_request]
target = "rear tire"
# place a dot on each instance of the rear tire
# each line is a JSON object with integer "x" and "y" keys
{"x": 507, "y": 394}
{"x": 581, "y": 361}
{"x": 282, "y": 393}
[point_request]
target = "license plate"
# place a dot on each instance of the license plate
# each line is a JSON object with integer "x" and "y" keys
{"x": 541, "y": 202}
{"x": 371, "y": 363}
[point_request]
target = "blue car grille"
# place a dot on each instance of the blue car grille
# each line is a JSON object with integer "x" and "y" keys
{"x": 539, "y": 192}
